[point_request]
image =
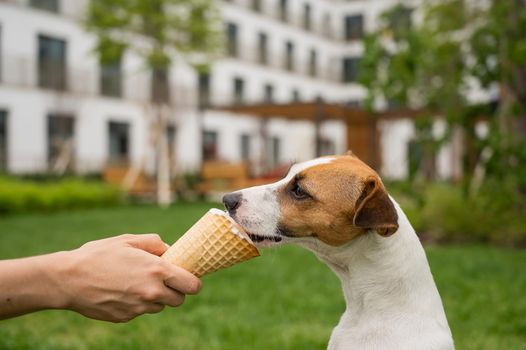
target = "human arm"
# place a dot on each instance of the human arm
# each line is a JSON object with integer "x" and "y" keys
{"x": 114, "y": 279}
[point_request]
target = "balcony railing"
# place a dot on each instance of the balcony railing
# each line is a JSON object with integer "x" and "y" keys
{"x": 74, "y": 10}
{"x": 24, "y": 72}
{"x": 295, "y": 19}
{"x": 328, "y": 70}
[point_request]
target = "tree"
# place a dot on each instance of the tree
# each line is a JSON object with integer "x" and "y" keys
{"x": 156, "y": 30}
{"x": 498, "y": 46}
{"x": 430, "y": 64}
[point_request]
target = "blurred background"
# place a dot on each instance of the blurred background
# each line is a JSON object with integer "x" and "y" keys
{"x": 115, "y": 108}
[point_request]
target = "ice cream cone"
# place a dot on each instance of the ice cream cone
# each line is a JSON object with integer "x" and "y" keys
{"x": 214, "y": 242}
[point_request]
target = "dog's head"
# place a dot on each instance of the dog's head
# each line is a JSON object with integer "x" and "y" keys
{"x": 329, "y": 199}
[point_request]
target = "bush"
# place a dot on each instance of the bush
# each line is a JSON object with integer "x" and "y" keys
{"x": 23, "y": 195}
{"x": 443, "y": 212}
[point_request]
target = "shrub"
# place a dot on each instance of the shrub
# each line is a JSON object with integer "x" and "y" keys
{"x": 24, "y": 195}
{"x": 442, "y": 212}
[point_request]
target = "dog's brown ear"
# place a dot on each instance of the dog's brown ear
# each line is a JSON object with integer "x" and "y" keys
{"x": 375, "y": 210}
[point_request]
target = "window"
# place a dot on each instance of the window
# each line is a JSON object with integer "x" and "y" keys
{"x": 47, "y": 5}
{"x": 256, "y": 5}
{"x": 283, "y": 10}
{"x": 51, "y": 63}
{"x": 170, "y": 136}
{"x": 289, "y": 56}
{"x": 269, "y": 93}
{"x": 210, "y": 145}
{"x": 353, "y": 27}
{"x": 307, "y": 22}
{"x": 204, "y": 90}
{"x": 393, "y": 103}
{"x": 239, "y": 90}
{"x": 1, "y": 61}
{"x": 3, "y": 141}
{"x": 60, "y": 141}
{"x": 231, "y": 34}
{"x": 171, "y": 132}
{"x": 327, "y": 26}
{"x": 295, "y": 95}
{"x": 160, "y": 88}
{"x": 119, "y": 142}
{"x": 421, "y": 160}
{"x": 327, "y": 147}
{"x": 274, "y": 150}
{"x": 245, "y": 147}
{"x": 350, "y": 69}
{"x": 354, "y": 103}
{"x": 111, "y": 79}
{"x": 262, "y": 46}
{"x": 400, "y": 18}
{"x": 313, "y": 63}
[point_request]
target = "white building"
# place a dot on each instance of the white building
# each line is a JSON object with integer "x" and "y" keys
{"x": 55, "y": 98}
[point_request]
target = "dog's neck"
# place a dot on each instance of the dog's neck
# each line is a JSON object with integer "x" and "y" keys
{"x": 384, "y": 279}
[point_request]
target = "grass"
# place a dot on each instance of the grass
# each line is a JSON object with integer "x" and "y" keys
{"x": 285, "y": 299}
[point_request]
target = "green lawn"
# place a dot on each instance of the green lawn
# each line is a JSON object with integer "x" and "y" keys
{"x": 285, "y": 299}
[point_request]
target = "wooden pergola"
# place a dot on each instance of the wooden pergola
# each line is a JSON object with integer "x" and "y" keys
{"x": 363, "y": 134}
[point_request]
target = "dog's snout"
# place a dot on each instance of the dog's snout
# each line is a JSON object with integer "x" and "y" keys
{"x": 232, "y": 201}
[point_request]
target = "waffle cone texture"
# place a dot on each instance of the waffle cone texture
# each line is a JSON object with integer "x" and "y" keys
{"x": 213, "y": 243}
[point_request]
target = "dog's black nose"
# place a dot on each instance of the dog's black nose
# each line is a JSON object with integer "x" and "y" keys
{"x": 232, "y": 201}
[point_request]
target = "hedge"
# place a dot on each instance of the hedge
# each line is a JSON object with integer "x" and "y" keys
{"x": 18, "y": 195}
{"x": 444, "y": 213}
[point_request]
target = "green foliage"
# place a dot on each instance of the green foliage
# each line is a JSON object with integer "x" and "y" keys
{"x": 416, "y": 66}
{"x": 421, "y": 67}
{"x": 110, "y": 51}
{"x": 156, "y": 29}
{"x": 17, "y": 196}
{"x": 431, "y": 64}
{"x": 442, "y": 212}
{"x": 499, "y": 45}
{"x": 285, "y": 299}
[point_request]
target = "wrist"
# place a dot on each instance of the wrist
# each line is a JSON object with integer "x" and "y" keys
{"x": 55, "y": 270}
{"x": 32, "y": 284}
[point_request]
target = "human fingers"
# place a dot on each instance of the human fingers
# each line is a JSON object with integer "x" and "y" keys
{"x": 171, "y": 297}
{"x": 181, "y": 280}
{"x": 150, "y": 242}
{"x": 153, "y": 308}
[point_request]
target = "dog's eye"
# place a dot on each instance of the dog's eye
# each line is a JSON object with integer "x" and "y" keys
{"x": 298, "y": 192}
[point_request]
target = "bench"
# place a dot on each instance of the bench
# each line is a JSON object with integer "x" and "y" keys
{"x": 115, "y": 175}
{"x": 220, "y": 176}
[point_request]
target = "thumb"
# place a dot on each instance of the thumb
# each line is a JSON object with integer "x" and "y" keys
{"x": 151, "y": 243}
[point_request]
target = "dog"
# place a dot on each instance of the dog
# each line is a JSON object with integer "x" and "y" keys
{"x": 337, "y": 207}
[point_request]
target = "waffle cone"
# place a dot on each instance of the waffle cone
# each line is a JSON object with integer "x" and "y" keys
{"x": 214, "y": 242}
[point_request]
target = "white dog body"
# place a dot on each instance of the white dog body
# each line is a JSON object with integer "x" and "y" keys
{"x": 391, "y": 299}
{"x": 390, "y": 294}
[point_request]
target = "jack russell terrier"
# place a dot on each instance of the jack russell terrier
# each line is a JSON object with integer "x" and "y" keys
{"x": 338, "y": 208}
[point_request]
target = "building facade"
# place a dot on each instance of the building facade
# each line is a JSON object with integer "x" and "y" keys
{"x": 61, "y": 109}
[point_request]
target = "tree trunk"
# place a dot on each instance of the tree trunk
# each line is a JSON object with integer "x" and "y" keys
{"x": 160, "y": 96}
{"x": 163, "y": 161}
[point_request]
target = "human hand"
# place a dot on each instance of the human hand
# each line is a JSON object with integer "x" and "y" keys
{"x": 119, "y": 278}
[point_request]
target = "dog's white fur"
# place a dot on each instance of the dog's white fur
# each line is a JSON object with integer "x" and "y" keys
{"x": 391, "y": 299}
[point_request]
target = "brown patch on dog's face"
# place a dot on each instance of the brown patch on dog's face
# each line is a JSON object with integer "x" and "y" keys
{"x": 335, "y": 202}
